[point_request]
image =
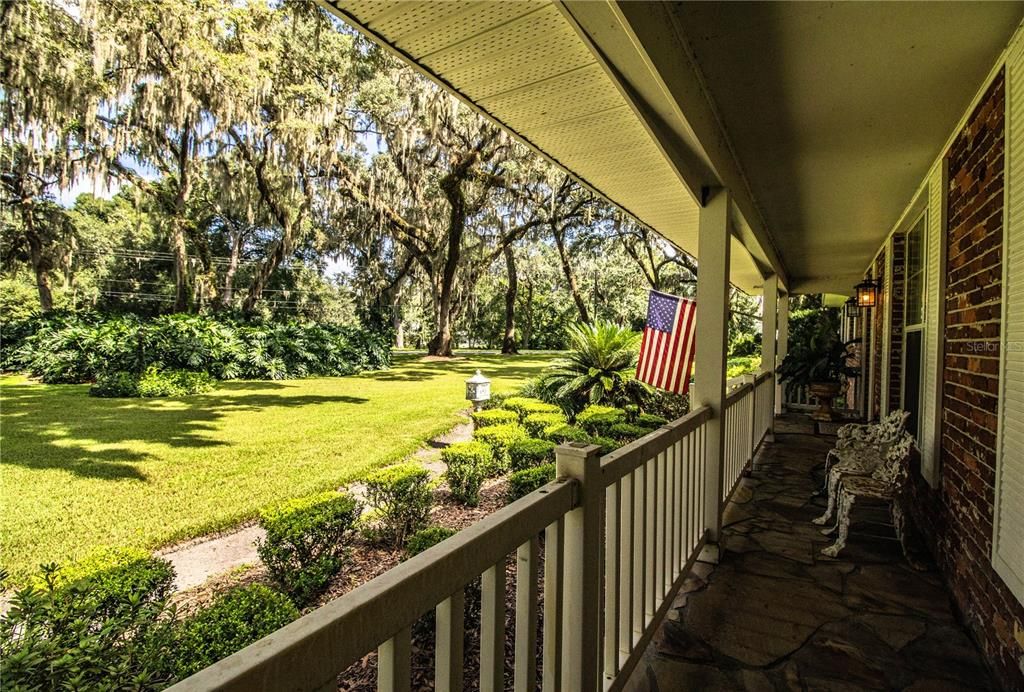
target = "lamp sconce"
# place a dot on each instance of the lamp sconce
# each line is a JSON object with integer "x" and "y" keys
{"x": 852, "y": 310}
{"x": 867, "y": 293}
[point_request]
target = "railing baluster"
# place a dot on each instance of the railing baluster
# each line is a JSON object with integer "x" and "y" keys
{"x": 554, "y": 544}
{"x": 612, "y": 577}
{"x": 650, "y": 547}
{"x": 626, "y": 536}
{"x": 393, "y": 663}
{"x": 449, "y": 630}
{"x": 639, "y": 548}
{"x": 660, "y": 507}
{"x": 492, "y": 629}
{"x": 527, "y": 558}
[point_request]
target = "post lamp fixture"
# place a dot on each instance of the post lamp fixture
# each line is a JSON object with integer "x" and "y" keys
{"x": 867, "y": 293}
{"x": 852, "y": 310}
{"x": 478, "y": 390}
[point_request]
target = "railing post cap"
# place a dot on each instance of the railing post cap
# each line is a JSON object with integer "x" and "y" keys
{"x": 577, "y": 450}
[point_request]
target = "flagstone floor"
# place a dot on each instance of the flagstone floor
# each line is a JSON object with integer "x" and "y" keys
{"x": 776, "y": 615}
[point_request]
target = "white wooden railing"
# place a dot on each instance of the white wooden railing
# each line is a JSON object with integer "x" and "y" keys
{"x": 608, "y": 545}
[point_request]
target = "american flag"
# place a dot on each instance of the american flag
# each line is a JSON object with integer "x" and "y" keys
{"x": 666, "y": 350}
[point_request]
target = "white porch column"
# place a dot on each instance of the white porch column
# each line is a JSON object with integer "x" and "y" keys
{"x": 712, "y": 341}
{"x": 781, "y": 348}
{"x": 769, "y": 324}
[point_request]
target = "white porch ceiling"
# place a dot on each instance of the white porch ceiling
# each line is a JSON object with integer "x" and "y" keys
{"x": 821, "y": 118}
{"x": 525, "y": 64}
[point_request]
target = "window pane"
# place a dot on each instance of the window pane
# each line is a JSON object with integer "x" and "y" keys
{"x": 915, "y": 274}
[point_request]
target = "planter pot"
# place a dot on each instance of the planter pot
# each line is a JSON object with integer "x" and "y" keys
{"x": 825, "y": 392}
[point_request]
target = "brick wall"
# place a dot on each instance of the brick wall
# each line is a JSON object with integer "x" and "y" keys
{"x": 956, "y": 517}
{"x": 896, "y": 308}
{"x": 877, "y": 315}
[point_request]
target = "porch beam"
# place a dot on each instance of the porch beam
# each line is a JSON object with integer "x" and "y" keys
{"x": 769, "y": 325}
{"x": 712, "y": 323}
{"x": 781, "y": 349}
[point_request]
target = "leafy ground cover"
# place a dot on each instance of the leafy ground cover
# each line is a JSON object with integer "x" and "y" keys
{"x": 80, "y": 472}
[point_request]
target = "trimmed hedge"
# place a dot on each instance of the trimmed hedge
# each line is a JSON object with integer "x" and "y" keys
{"x": 607, "y": 444}
{"x": 401, "y": 497}
{"x": 628, "y": 431}
{"x": 306, "y": 541}
{"x": 114, "y": 576}
{"x": 154, "y": 382}
{"x": 427, "y": 538}
{"x": 499, "y": 438}
{"x": 234, "y": 620}
{"x": 536, "y": 423}
{"x": 494, "y": 416}
{"x": 469, "y": 464}
{"x": 649, "y": 420}
{"x": 524, "y": 482}
{"x": 525, "y": 405}
{"x": 595, "y": 418}
{"x": 563, "y": 432}
{"x": 530, "y": 452}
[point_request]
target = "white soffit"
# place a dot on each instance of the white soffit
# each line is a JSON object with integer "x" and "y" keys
{"x": 523, "y": 63}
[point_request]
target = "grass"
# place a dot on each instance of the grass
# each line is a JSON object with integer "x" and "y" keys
{"x": 80, "y": 472}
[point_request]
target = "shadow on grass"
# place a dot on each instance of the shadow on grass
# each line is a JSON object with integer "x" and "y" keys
{"x": 62, "y": 427}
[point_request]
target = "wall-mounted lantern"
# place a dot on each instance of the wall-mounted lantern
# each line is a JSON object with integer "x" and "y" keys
{"x": 852, "y": 310}
{"x": 478, "y": 390}
{"x": 867, "y": 293}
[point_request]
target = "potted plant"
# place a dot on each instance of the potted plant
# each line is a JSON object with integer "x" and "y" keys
{"x": 819, "y": 361}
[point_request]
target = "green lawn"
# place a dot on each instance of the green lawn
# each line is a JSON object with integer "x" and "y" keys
{"x": 80, "y": 472}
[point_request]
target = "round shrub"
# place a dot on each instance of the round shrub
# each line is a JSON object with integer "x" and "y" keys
{"x": 524, "y": 482}
{"x": 597, "y": 418}
{"x": 468, "y": 465}
{"x": 563, "y": 432}
{"x": 530, "y": 452}
{"x": 607, "y": 444}
{"x": 525, "y": 405}
{"x": 112, "y": 577}
{"x": 427, "y": 538}
{"x": 494, "y": 416}
{"x": 115, "y": 384}
{"x": 234, "y": 620}
{"x": 306, "y": 540}
{"x": 401, "y": 497}
{"x": 499, "y": 438}
{"x": 536, "y": 423}
{"x": 627, "y": 431}
{"x": 649, "y": 420}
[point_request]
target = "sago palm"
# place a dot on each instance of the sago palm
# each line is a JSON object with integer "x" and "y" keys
{"x": 600, "y": 368}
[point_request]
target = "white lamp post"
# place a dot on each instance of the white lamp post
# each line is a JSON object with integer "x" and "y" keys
{"x": 478, "y": 390}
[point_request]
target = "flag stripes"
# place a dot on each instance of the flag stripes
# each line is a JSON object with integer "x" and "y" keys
{"x": 667, "y": 346}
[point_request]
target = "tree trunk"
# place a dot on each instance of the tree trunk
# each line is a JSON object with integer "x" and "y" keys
{"x": 397, "y": 323}
{"x": 282, "y": 249}
{"x": 228, "y": 291}
{"x": 40, "y": 263}
{"x": 182, "y": 281}
{"x": 570, "y": 275}
{"x": 451, "y": 185}
{"x": 528, "y": 327}
{"x": 508, "y": 344}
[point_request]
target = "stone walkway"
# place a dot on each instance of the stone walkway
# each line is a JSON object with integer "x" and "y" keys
{"x": 776, "y": 615}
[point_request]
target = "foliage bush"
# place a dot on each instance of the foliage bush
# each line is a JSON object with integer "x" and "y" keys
{"x": 596, "y": 418}
{"x": 628, "y": 431}
{"x": 667, "y": 405}
{"x": 562, "y": 432}
{"x": 306, "y": 540}
{"x": 401, "y": 497}
{"x": 536, "y": 423}
{"x": 102, "y": 624}
{"x": 607, "y": 444}
{"x": 746, "y": 345}
{"x": 530, "y": 452}
{"x": 499, "y": 438}
{"x": 469, "y": 464}
{"x": 494, "y": 416}
{"x": 649, "y": 420}
{"x": 427, "y": 538}
{"x": 154, "y": 382}
{"x": 735, "y": 367}
{"x": 235, "y": 619}
{"x": 525, "y": 405}
{"x": 525, "y": 481}
{"x": 79, "y": 347}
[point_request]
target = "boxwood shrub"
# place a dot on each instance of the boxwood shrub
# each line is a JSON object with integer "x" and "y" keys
{"x": 627, "y": 431}
{"x": 499, "y": 438}
{"x": 112, "y": 577}
{"x": 607, "y": 444}
{"x": 536, "y": 423}
{"x": 427, "y": 538}
{"x": 598, "y": 419}
{"x": 530, "y": 452}
{"x": 469, "y": 464}
{"x": 401, "y": 497}
{"x": 306, "y": 541}
{"x": 563, "y": 432}
{"x": 524, "y": 482}
{"x": 649, "y": 420}
{"x": 231, "y": 622}
{"x": 525, "y": 405}
{"x": 494, "y": 416}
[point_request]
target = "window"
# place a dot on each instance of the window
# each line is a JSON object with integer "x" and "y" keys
{"x": 913, "y": 316}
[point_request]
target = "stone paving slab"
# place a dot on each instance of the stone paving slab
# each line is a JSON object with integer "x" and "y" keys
{"x": 775, "y": 614}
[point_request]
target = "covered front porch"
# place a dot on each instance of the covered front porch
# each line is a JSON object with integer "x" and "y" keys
{"x": 774, "y": 614}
